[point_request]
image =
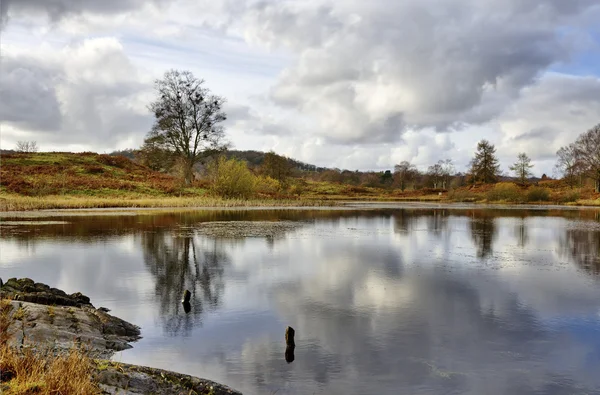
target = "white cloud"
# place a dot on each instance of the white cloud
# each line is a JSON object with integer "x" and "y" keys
{"x": 349, "y": 84}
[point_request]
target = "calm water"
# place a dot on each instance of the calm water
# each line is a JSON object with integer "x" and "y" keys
{"x": 388, "y": 301}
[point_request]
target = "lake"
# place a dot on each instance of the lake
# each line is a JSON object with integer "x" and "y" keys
{"x": 385, "y": 299}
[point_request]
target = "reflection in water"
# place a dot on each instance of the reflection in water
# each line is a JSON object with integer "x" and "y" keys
{"x": 583, "y": 245}
{"x": 521, "y": 233}
{"x": 289, "y": 354}
{"x": 483, "y": 233}
{"x": 180, "y": 262}
{"x": 464, "y": 301}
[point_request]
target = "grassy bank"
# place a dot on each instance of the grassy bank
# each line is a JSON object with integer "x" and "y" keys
{"x": 53, "y": 180}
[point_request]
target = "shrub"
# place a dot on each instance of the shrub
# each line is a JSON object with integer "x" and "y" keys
{"x": 462, "y": 195}
{"x": 505, "y": 191}
{"x": 232, "y": 178}
{"x": 537, "y": 194}
{"x": 268, "y": 185}
{"x": 571, "y": 196}
{"x": 298, "y": 187}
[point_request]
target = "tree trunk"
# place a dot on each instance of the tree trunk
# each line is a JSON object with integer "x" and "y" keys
{"x": 188, "y": 172}
{"x": 598, "y": 185}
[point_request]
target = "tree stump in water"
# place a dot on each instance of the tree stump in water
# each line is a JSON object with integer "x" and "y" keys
{"x": 290, "y": 344}
{"x": 289, "y": 336}
{"x": 186, "y": 296}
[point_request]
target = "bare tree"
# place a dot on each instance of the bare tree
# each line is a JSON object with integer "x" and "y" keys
{"x": 447, "y": 171}
{"x": 27, "y": 146}
{"x": 188, "y": 118}
{"x": 404, "y": 173}
{"x": 587, "y": 152}
{"x": 436, "y": 174}
{"x": 567, "y": 164}
{"x": 485, "y": 166}
{"x": 522, "y": 167}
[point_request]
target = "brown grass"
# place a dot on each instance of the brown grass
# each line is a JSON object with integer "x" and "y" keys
{"x": 11, "y": 202}
{"x": 29, "y": 373}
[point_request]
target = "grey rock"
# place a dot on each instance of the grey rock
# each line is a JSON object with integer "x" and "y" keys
{"x": 59, "y": 328}
{"x": 119, "y": 378}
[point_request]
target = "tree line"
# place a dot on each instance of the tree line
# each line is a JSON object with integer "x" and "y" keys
{"x": 187, "y": 137}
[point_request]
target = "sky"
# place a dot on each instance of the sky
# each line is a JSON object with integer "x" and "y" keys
{"x": 353, "y": 84}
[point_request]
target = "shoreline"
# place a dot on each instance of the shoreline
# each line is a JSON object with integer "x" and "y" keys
{"x": 341, "y": 205}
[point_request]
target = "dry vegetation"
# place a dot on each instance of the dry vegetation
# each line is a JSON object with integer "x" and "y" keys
{"x": 32, "y": 181}
{"x": 25, "y": 372}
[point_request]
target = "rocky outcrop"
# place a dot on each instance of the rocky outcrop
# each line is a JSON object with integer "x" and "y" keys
{"x": 26, "y": 290}
{"x": 124, "y": 379}
{"x": 46, "y": 319}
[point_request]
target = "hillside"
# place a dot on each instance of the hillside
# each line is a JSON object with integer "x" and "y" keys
{"x": 88, "y": 174}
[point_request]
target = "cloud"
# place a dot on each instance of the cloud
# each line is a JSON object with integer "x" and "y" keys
{"x": 369, "y": 72}
{"x": 549, "y": 114}
{"x": 88, "y": 93}
{"x": 349, "y": 84}
{"x": 29, "y": 98}
{"x": 56, "y": 10}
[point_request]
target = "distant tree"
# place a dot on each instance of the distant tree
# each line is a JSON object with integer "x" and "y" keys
{"x": 587, "y": 153}
{"x": 187, "y": 119}
{"x": 276, "y": 166}
{"x": 156, "y": 154}
{"x": 485, "y": 166}
{"x": 567, "y": 164}
{"x": 522, "y": 167}
{"x": 447, "y": 167}
{"x": 350, "y": 177}
{"x": 436, "y": 174}
{"x": 386, "y": 177}
{"x": 129, "y": 153}
{"x": 27, "y": 146}
{"x": 404, "y": 172}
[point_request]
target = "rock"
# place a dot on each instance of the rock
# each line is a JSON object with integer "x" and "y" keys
{"x": 59, "y": 328}
{"x": 25, "y": 289}
{"x": 120, "y": 378}
{"x": 103, "y": 309}
{"x": 47, "y": 320}
{"x": 1, "y": 283}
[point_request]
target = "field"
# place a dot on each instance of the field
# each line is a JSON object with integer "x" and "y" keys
{"x": 54, "y": 180}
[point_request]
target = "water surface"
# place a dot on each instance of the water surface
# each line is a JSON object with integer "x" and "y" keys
{"x": 391, "y": 300}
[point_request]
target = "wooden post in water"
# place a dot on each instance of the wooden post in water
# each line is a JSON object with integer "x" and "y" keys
{"x": 186, "y": 296}
{"x": 290, "y": 345}
{"x": 289, "y": 336}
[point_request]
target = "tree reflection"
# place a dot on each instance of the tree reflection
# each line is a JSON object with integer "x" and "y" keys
{"x": 483, "y": 232}
{"x": 583, "y": 246}
{"x": 522, "y": 233}
{"x": 180, "y": 262}
{"x": 437, "y": 222}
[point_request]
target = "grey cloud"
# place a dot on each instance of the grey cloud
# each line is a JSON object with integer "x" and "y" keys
{"x": 58, "y": 9}
{"x": 237, "y": 112}
{"x": 538, "y": 133}
{"x": 440, "y": 64}
{"x": 89, "y": 94}
{"x": 28, "y": 97}
{"x": 550, "y": 114}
